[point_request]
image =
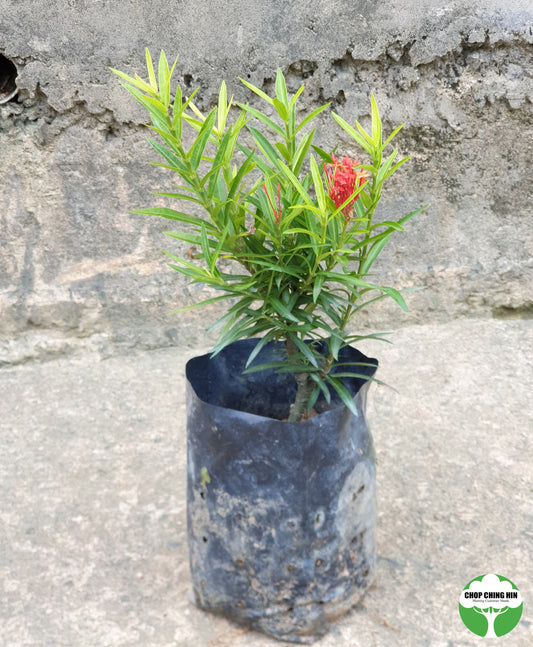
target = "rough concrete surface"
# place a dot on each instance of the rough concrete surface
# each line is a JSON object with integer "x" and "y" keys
{"x": 92, "y": 475}
{"x": 78, "y": 272}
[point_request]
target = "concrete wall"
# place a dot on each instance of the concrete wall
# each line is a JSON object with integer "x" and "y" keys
{"x": 79, "y": 273}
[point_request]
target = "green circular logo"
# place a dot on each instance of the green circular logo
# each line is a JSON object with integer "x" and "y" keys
{"x": 490, "y": 606}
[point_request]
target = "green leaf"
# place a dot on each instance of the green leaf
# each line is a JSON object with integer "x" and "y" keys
{"x": 205, "y": 246}
{"x": 304, "y": 349}
{"x": 335, "y": 345}
{"x": 392, "y": 135}
{"x": 266, "y": 120}
{"x": 322, "y": 386}
{"x": 364, "y": 133}
{"x": 264, "y": 145}
{"x": 187, "y": 237}
{"x": 376, "y": 248}
{"x": 311, "y": 116}
{"x": 282, "y": 148}
{"x": 301, "y": 152}
{"x": 396, "y": 167}
{"x": 394, "y": 294}
{"x": 388, "y": 223}
{"x": 157, "y": 110}
{"x": 317, "y": 287}
{"x": 384, "y": 168}
{"x": 343, "y": 393}
{"x": 137, "y": 82}
{"x": 354, "y": 134}
{"x": 282, "y": 309}
{"x": 261, "y": 164}
{"x": 173, "y": 160}
{"x": 305, "y": 232}
{"x": 172, "y": 214}
{"x": 241, "y": 331}
{"x": 150, "y": 68}
{"x": 296, "y": 95}
{"x": 295, "y": 182}
{"x": 319, "y": 187}
{"x": 217, "y": 164}
{"x": 179, "y": 196}
{"x": 257, "y": 348}
{"x": 257, "y": 91}
{"x": 359, "y": 376}
{"x": 281, "y": 109}
{"x": 313, "y": 398}
{"x": 219, "y": 247}
{"x": 376, "y": 123}
{"x": 199, "y": 145}
{"x": 245, "y": 168}
{"x": 164, "y": 79}
{"x": 222, "y": 107}
{"x": 324, "y": 155}
{"x": 281, "y": 89}
{"x": 200, "y": 304}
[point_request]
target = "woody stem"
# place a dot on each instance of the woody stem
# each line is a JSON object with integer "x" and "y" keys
{"x": 304, "y": 387}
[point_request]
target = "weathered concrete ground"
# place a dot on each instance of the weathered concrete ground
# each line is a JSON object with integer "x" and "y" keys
{"x": 92, "y": 512}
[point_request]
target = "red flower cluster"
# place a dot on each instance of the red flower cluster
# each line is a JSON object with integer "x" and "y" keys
{"x": 343, "y": 179}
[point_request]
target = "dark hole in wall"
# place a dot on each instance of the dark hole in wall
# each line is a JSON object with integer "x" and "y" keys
{"x": 8, "y": 74}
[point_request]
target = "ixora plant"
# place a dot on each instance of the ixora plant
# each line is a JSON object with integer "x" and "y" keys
{"x": 281, "y": 493}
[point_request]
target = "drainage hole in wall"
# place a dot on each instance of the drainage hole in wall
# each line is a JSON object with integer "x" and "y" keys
{"x": 8, "y": 74}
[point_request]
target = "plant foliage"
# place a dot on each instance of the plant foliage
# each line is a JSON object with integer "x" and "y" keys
{"x": 296, "y": 220}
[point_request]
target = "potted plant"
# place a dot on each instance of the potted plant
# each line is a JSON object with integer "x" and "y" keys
{"x": 281, "y": 466}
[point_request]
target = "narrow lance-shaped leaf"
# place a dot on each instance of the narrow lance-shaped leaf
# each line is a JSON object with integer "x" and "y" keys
{"x": 257, "y": 91}
{"x": 296, "y": 95}
{"x": 311, "y": 116}
{"x": 304, "y": 349}
{"x": 137, "y": 82}
{"x": 302, "y": 151}
{"x": 150, "y": 67}
{"x": 221, "y": 243}
{"x": 295, "y": 182}
{"x": 351, "y": 131}
{"x": 319, "y": 187}
{"x": 343, "y": 393}
{"x": 281, "y": 89}
{"x": 173, "y": 160}
{"x": 265, "y": 146}
{"x": 164, "y": 79}
{"x": 281, "y": 109}
{"x": 205, "y": 247}
{"x": 376, "y": 123}
{"x": 222, "y": 107}
{"x": 217, "y": 163}
{"x": 258, "y": 347}
{"x": 266, "y": 120}
{"x": 376, "y": 248}
{"x": 199, "y": 145}
{"x": 172, "y": 214}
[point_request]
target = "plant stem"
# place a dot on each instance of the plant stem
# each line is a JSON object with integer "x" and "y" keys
{"x": 304, "y": 387}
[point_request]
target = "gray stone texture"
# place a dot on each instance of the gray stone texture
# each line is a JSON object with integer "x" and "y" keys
{"x": 92, "y": 514}
{"x": 79, "y": 273}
